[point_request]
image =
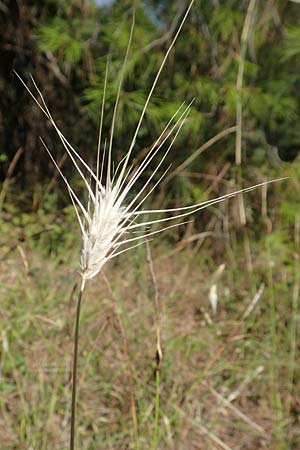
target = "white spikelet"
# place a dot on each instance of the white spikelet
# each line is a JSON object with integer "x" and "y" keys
{"x": 213, "y": 298}
{"x": 103, "y": 227}
{"x": 114, "y": 207}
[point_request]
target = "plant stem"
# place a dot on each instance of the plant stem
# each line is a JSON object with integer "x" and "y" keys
{"x": 240, "y": 77}
{"x": 159, "y": 354}
{"x": 157, "y": 408}
{"x": 239, "y": 116}
{"x": 74, "y": 375}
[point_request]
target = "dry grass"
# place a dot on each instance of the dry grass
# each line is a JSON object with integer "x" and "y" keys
{"x": 224, "y": 379}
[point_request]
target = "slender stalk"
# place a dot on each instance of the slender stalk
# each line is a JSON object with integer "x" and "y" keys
{"x": 159, "y": 354}
{"x": 239, "y": 125}
{"x": 239, "y": 107}
{"x": 199, "y": 151}
{"x": 74, "y": 375}
{"x": 9, "y": 173}
{"x": 240, "y": 78}
{"x": 157, "y": 409}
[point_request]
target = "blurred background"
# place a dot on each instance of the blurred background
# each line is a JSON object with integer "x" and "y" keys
{"x": 228, "y": 280}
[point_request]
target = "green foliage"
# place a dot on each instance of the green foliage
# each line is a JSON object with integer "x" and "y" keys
{"x": 291, "y": 44}
{"x": 224, "y": 20}
{"x": 75, "y": 40}
{"x": 68, "y": 41}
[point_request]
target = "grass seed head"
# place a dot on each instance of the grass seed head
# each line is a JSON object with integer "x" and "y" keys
{"x": 114, "y": 208}
{"x": 104, "y": 224}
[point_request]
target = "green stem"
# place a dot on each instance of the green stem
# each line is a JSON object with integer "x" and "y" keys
{"x": 157, "y": 407}
{"x": 74, "y": 375}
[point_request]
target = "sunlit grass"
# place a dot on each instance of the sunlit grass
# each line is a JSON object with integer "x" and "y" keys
{"x": 37, "y": 311}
